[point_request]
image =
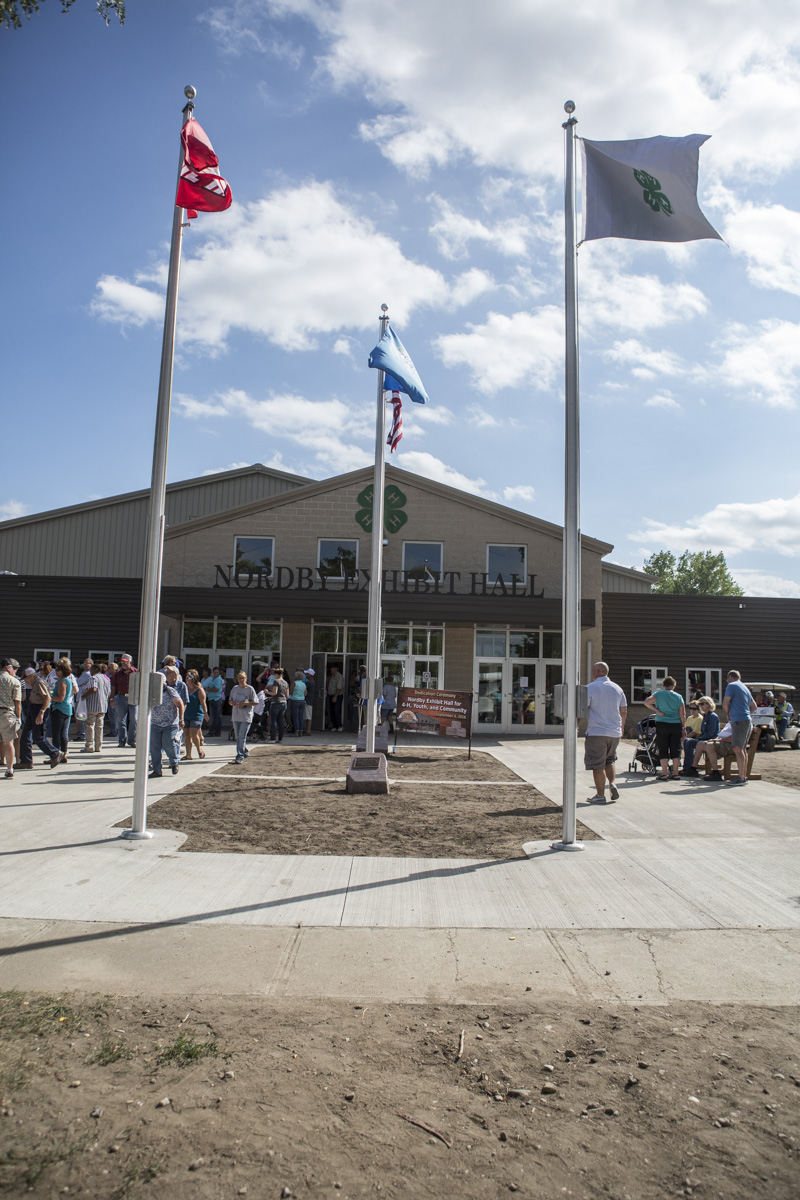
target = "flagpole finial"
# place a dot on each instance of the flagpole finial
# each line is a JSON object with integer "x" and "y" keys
{"x": 190, "y": 92}
{"x": 384, "y": 308}
{"x": 569, "y": 107}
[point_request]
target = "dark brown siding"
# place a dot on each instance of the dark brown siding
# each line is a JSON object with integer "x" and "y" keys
{"x": 68, "y": 612}
{"x": 759, "y": 637}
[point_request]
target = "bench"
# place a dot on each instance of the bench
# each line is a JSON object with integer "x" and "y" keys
{"x": 728, "y": 761}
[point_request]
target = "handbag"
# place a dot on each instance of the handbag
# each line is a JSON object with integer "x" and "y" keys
{"x": 81, "y": 711}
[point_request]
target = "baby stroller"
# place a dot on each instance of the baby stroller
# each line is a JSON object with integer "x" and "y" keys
{"x": 646, "y": 752}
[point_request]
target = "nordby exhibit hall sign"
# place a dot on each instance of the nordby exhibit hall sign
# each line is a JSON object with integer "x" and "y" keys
{"x": 308, "y": 579}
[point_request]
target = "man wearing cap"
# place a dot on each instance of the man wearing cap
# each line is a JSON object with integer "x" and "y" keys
{"x": 311, "y": 687}
{"x": 34, "y": 728}
{"x": 10, "y": 711}
{"x": 124, "y": 712}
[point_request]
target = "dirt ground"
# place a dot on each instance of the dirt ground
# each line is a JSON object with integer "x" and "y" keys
{"x": 780, "y": 766}
{"x": 115, "y": 1098}
{"x": 484, "y": 811}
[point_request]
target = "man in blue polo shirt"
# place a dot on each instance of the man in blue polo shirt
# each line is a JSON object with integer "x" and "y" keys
{"x": 607, "y": 709}
{"x": 739, "y": 704}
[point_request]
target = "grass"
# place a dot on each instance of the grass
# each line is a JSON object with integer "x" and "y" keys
{"x": 186, "y": 1049}
{"x": 110, "y": 1052}
{"x": 138, "y": 1174}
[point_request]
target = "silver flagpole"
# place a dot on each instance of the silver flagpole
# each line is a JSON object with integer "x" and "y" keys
{"x": 154, "y": 550}
{"x": 571, "y": 586}
{"x": 376, "y": 566}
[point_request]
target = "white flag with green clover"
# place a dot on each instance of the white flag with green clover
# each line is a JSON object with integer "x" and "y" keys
{"x": 645, "y": 190}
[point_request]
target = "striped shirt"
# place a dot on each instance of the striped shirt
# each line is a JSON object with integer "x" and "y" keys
{"x": 97, "y": 699}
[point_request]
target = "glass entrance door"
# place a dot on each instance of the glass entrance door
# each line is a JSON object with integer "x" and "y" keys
{"x": 491, "y": 697}
{"x": 523, "y": 695}
{"x": 552, "y": 676}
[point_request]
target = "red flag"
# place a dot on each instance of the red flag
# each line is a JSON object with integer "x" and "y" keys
{"x": 201, "y": 188}
{"x": 396, "y": 432}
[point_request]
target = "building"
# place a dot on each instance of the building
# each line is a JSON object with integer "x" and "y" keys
{"x": 261, "y": 564}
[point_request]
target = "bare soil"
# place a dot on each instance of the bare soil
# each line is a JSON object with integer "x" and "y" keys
{"x": 114, "y": 1098}
{"x": 442, "y": 805}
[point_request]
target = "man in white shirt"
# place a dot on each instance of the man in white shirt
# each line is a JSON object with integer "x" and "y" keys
{"x": 607, "y": 709}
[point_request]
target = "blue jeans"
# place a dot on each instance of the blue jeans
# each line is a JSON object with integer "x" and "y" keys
{"x": 689, "y": 747}
{"x": 31, "y": 732}
{"x": 215, "y": 713}
{"x": 125, "y": 714}
{"x": 241, "y": 729}
{"x": 162, "y": 737}
{"x": 60, "y": 722}
{"x": 298, "y": 715}
{"x": 783, "y": 725}
{"x": 277, "y": 721}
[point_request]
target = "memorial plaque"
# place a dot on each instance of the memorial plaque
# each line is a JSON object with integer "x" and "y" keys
{"x": 367, "y": 775}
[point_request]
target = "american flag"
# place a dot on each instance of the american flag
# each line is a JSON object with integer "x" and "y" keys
{"x": 396, "y": 432}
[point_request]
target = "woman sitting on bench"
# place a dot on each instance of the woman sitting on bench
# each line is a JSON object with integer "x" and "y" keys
{"x": 709, "y": 730}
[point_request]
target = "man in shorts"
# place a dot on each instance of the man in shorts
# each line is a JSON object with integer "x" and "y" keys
{"x": 10, "y": 711}
{"x": 607, "y": 709}
{"x": 739, "y": 706}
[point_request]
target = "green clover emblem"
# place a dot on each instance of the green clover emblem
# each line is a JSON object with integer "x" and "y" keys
{"x": 394, "y": 501}
{"x": 652, "y": 193}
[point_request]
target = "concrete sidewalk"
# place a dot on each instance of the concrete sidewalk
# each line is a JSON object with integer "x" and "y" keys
{"x": 694, "y": 892}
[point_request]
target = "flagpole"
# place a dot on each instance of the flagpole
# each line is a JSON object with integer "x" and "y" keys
{"x": 571, "y": 585}
{"x": 376, "y": 565}
{"x": 156, "y": 518}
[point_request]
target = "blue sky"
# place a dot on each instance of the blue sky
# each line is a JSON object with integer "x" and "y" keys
{"x": 411, "y": 155}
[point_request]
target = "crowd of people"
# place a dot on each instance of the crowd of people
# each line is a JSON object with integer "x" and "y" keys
{"x": 46, "y": 706}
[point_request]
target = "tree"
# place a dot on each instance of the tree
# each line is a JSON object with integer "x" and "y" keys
{"x": 12, "y": 11}
{"x": 698, "y": 574}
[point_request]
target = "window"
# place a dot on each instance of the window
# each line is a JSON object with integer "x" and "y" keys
{"x": 551, "y": 645}
{"x": 704, "y": 681}
{"x": 255, "y": 554}
{"x": 523, "y": 645}
{"x": 645, "y": 681}
{"x": 395, "y": 640}
{"x": 504, "y": 561}
{"x": 336, "y": 558}
{"x": 422, "y": 560}
{"x": 426, "y": 641}
{"x": 356, "y": 639}
{"x": 204, "y": 638}
{"x": 328, "y": 639}
{"x": 490, "y": 643}
{"x": 52, "y": 656}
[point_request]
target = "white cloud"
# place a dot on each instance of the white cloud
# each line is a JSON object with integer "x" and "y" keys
{"x": 333, "y": 431}
{"x": 127, "y": 303}
{"x": 769, "y": 238}
{"x": 12, "y": 509}
{"x": 644, "y": 362}
{"x": 344, "y": 346}
{"x": 662, "y": 400}
{"x": 611, "y": 296}
{"x": 734, "y": 528}
{"x": 454, "y": 231}
{"x": 733, "y": 78}
{"x": 759, "y": 583}
{"x": 481, "y": 418}
{"x": 419, "y": 462}
{"x": 522, "y": 495}
{"x": 298, "y": 263}
{"x": 507, "y": 350}
{"x": 234, "y": 466}
{"x": 764, "y": 360}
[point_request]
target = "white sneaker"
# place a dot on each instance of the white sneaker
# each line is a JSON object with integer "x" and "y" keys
{"x": 613, "y": 792}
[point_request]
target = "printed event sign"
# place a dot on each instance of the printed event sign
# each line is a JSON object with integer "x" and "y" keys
{"x": 428, "y": 710}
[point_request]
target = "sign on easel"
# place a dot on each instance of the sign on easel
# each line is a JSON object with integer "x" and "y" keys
{"x": 435, "y": 712}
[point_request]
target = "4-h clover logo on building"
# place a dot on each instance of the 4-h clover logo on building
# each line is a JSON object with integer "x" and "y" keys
{"x": 394, "y": 501}
{"x": 652, "y": 193}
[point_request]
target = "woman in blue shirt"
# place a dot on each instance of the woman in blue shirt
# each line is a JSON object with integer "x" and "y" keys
{"x": 708, "y": 731}
{"x": 61, "y": 710}
{"x": 670, "y": 712}
{"x": 298, "y": 702}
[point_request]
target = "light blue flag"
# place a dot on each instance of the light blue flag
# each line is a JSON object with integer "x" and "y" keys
{"x": 391, "y": 356}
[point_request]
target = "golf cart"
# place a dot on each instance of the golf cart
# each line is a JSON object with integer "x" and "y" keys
{"x": 765, "y": 695}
